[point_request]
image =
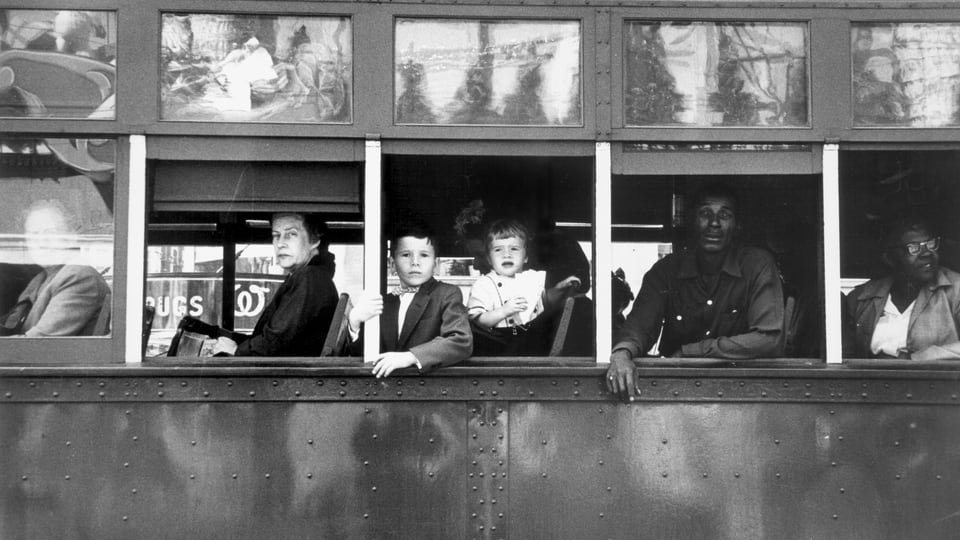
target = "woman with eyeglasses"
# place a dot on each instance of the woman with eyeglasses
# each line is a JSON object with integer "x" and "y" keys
{"x": 914, "y": 311}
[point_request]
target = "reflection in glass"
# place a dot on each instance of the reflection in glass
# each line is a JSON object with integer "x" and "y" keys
{"x": 56, "y": 237}
{"x": 487, "y": 72}
{"x": 188, "y": 280}
{"x": 57, "y": 64}
{"x": 226, "y": 67}
{"x": 715, "y": 74}
{"x": 906, "y": 74}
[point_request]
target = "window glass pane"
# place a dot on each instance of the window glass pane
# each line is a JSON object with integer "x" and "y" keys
{"x": 256, "y": 68}
{"x": 487, "y": 72}
{"x": 715, "y": 74}
{"x": 213, "y": 267}
{"x": 899, "y": 248}
{"x": 906, "y": 74}
{"x": 56, "y": 237}
{"x": 667, "y": 229}
{"x": 57, "y": 64}
{"x": 543, "y": 204}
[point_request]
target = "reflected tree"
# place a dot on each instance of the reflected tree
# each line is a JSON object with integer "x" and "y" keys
{"x": 412, "y": 106}
{"x": 651, "y": 96}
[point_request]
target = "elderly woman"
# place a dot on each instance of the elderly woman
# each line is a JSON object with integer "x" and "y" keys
{"x": 914, "y": 311}
{"x": 296, "y": 321}
{"x": 64, "y": 299}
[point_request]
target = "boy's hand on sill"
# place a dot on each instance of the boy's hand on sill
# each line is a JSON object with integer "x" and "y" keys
{"x": 388, "y": 362}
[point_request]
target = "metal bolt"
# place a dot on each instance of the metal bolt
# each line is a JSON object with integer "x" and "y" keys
{"x": 229, "y": 383}
{"x": 374, "y": 488}
{"x": 134, "y": 491}
{"x": 309, "y": 475}
{"x": 192, "y": 476}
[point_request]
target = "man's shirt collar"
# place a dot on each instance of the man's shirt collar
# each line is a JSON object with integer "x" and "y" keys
{"x": 689, "y": 269}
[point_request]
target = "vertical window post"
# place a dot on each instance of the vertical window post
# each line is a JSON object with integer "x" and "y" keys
{"x": 372, "y": 241}
{"x": 603, "y": 244}
{"x": 831, "y": 252}
{"x": 136, "y": 241}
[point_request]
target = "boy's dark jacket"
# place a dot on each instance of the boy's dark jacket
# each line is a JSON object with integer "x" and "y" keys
{"x": 436, "y": 328}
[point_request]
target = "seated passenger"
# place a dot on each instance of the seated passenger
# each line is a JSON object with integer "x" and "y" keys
{"x": 914, "y": 311}
{"x": 718, "y": 300}
{"x": 506, "y": 303}
{"x": 64, "y": 298}
{"x": 423, "y": 322}
{"x": 296, "y": 321}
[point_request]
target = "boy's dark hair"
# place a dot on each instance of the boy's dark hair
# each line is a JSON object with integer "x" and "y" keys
{"x": 505, "y": 228}
{"x": 313, "y": 225}
{"x": 415, "y": 229}
{"x": 716, "y": 190}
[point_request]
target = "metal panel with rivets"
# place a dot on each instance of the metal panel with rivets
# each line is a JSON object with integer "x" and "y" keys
{"x": 520, "y": 452}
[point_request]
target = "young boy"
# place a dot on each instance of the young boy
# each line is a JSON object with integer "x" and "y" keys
{"x": 505, "y": 301}
{"x": 423, "y": 321}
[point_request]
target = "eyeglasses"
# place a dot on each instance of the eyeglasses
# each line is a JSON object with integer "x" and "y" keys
{"x": 913, "y": 248}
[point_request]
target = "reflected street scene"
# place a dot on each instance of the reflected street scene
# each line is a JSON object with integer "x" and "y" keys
{"x": 906, "y": 74}
{"x": 487, "y": 72}
{"x": 56, "y": 237}
{"x": 715, "y": 74}
{"x": 58, "y": 64}
{"x": 246, "y": 68}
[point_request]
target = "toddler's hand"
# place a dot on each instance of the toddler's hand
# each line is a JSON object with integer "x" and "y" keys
{"x": 571, "y": 282}
{"x": 515, "y": 305}
{"x": 367, "y": 306}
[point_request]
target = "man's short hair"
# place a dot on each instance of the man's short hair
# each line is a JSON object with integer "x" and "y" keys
{"x": 900, "y": 224}
{"x": 716, "y": 190}
{"x": 505, "y": 228}
{"x": 313, "y": 225}
{"x": 412, "y": 228}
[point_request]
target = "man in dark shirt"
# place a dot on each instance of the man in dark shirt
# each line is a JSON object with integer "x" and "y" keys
{"x": 719, "y": 300}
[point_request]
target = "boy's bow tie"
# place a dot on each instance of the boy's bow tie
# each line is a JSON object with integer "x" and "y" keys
{"x": 397, "y": 291}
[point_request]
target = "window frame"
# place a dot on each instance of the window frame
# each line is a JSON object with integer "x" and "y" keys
{"x": 91, "y": 349}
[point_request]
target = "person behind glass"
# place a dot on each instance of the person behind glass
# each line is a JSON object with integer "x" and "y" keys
{"x": 914, "y": 311}
{"x": 718, "y": 300}
{"x": 510, "y": 297}
{"x": 66, "y": 297}
{"x": 423, "y": 322}
{"x": 296, "y": 321}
